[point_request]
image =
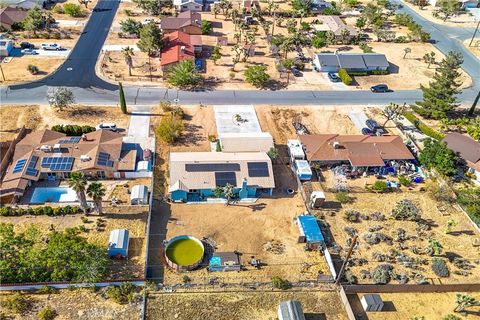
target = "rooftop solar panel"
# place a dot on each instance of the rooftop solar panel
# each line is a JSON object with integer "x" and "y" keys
{"x": 19, "y": 165}
{"x": 224, "y": 178}
{"x": 258, "y": 169}
{"x": 69, "y": 140}
{"x": 211, "y": 167}
{"x": 58, "y": 163}
{"x": 104, "y": 160}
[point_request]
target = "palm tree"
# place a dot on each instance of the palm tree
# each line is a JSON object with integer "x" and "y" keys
{"x": 96, "y": 191}
{"x": 78, "y": 182}
{"x": 127, "y": 54}
{"x": 464, "y": 301}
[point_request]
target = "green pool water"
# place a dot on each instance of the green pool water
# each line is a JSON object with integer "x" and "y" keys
{"x": 184, "y": 252}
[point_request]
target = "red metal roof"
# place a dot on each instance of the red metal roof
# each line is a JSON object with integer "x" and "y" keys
{"x": 178, "y": 47}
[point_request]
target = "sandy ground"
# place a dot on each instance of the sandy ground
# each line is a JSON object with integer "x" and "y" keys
{"x": 79, "y": 304}
{"x": 40, "y": 117}
{"x": 429, "y": 305}
{"x": 242, "y": 306}
{"x": 475, "y": 48}
{"x": 464, "y": 20}
{"x": 132, "y": 218}
{"x": 458, "y": 242}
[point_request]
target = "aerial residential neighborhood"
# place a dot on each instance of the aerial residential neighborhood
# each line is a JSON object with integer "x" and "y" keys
{"x": 240, "y": 159}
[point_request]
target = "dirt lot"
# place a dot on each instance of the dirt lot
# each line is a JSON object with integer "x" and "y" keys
{"x": 429, "y": 305}
{"x": 79, "y": 304}
{"x": 456, "y": 244}
{"x": 40, "y": 117}
{"x": 464, "y": 20}
{"x": 242, "y": 306}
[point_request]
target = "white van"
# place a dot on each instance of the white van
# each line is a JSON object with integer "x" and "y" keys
{"x": 107, "y": 126}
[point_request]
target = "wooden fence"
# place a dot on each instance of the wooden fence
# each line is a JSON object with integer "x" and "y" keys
{"x": 411, "y": 288}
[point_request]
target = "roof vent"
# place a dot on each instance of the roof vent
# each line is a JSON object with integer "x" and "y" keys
{"x": 182, "y": 48}
{"x": 46, "y": 148}
{"x": 336, "y": 145}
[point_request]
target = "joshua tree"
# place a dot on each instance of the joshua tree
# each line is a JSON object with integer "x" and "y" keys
{"x": 96, "y": 191}
{"x": 228, "y": 192}
{"x": 464, "y": 301}
{"x": 127, "y": 54}
{"x": 78, "y": 182}
{"x": 434, "y": 247}
{"x": 406, "y": 51}
{"x": 392, "y": 112}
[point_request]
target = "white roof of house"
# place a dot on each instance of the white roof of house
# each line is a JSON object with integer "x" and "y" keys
{"x": 207, "y": 170}
{"x": 247, "y": 142}
{"x": 139, "y": 191}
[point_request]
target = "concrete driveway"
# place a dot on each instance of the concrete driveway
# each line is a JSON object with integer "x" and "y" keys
{"x": 139, "y": 127}
{"x": 119, "y": 47}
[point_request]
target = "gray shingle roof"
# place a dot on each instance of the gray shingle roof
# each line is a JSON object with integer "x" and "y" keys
{"x": 375, "y": 60}
{"x": 351, "y": 61}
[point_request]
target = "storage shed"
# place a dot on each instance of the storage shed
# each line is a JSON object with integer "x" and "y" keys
{"x": 224, "y": 261}
{"x": 143, "y": 166}
{"x": 139, "y": 194}
{"x": 372, "y": 302}
{"x": 6, "y": 47}
{"x": 317, "y": 198}
{"x": 118, "y": 243}
{"x": 310, "y": 232}
{"x": 303, "y": 170}
{"x": 295, "y": 150}
{"x": 290, "y": 310}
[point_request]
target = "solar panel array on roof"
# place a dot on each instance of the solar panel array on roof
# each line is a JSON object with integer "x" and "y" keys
{"x": 211, "y": 167}
{"x": 224, "y": 178}
{"x": 104, "y": 160}
{"x": 19, "y": 165}
{"x": 257, "y": 169}
{"x": 58, "y": 163}
{"x": 31, "y": 171}
{"x": 69, "y": 140}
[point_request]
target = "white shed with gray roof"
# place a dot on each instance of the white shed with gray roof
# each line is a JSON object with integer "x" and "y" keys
{"x": 352, "y": 62}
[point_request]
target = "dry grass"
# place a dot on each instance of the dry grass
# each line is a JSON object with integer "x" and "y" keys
{"x": 458, "y": 242}
{"x": 77, "y": 304}
{"x": 16, "y": 70}
{"x": 242, "y": 306}
{"x": 14, "y": 117}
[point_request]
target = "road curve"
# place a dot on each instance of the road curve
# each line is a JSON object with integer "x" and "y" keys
{"x": 78, "y": 72}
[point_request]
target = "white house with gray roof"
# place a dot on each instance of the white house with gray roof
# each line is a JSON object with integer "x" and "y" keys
{"x": 352, "y": 62}
{"x": 192, "y": 5}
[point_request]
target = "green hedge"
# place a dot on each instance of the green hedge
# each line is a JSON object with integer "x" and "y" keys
{"x": 379, "y": 72}
{"x": 39, "y": 211}
{"x": 343, "y": 74}
{"x": 423, "y": 127}
{"x": 358, "y": 73}
{"x": 73, "y": 130}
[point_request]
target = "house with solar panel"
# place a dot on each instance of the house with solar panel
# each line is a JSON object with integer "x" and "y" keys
{"x": 52, "y": 156}
{"x": 195, "y": 175}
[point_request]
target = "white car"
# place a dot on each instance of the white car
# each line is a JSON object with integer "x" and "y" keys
{"x": 147, "y": 21}
{"x": 107, "y": 126}
{"x": 50, "y": 46}
{"x": 29, "y": 51}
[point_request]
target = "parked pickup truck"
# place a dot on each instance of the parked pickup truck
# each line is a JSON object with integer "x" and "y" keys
{"x": 50, "y": 46}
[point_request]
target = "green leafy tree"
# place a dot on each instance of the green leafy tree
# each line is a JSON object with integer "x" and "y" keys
{"x": 73, "y": 10}
{"x": 60, "y": 98}
{"x": 273, "y": 153}
{"x": 34, "y": 20}
{"x": 437, "y": 155}
{"x": 123, "y": 103}
{"x": 465, "y": 301}
{"x": 78, "y": 182}
{"x": 288, "y": 64}
{"x": 446, "y": 8}
{"x": 96, "y": 191}
{"x": 302, "y": 5}
{"x": 373, "y": 14}
{"x": 319, "y": 40}
{"x": 152, "y": 7}
{"x": 183, "y": 75}
{"x": 361, "y": 23}
{"x": 206, "y": 27}
{"x": 217, "y": 192}
{"x": 170, "y": 128}
{"x": 216, "y": 54}
{"x": 127, "y": 55}
{"x": 257, "y": 75}
{"x": 151, "y": 39}
{"x": 131, "y": 26}
{"x": 439, "y": 97}
{"x": 429, "y": 58}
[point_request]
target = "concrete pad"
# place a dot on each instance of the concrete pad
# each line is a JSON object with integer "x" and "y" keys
{"x": 119, "y": 47}
{"x": 70, "y": 23}
{"x": 358, "y": 118}
{"x": 226, "y": 119}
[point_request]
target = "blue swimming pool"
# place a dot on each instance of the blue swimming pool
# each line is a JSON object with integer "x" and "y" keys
{"x": 53, "y": 194}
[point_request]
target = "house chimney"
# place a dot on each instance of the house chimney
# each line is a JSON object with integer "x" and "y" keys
{"x": 182, "y": 48}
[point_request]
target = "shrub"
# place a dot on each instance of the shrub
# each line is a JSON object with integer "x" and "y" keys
{"x": 365, "y": 47}
{"x": 128, "y": 12}
{"x": 15, "y": 303}
{"x": 47, "y": 210}
{"x": 351, "y": 215}
{"x": 345, "y": 77}
{"x": 401, "y": 39}
{"x": 423, "y": 127}
{"x": 405, "y": 210}
{"x": 73, "y": 130}
{"x": 380, "y": 185}
{"x": 186, "y": 279}
{"x": 256, "y": 75}
{"x": 58, "y": 9}
{"x": 439, "y": 267}
{"x": 350, "y": 277}
{"x": 360, "y": 74}
{"x": 38, "y": 211}
{"x": 73, "y": 10}
{"x": 206, "y": 27}
{"x": 381, "y": 274}
{"x": 121, "y": 294}
{"x": 47, "y": 290}
{"x": 451, "y": 317}
{"x": 379, "y": 72}
{"x": 32, "y": 69}
{"x": 404, "y": 181}
{"x": 47, "y": 314}
{"x": 280, "y": 283}
{"x": 170, "y": 128}
{"x": 342, "y": 197}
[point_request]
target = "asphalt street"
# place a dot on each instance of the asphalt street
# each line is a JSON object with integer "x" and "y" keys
{"x": 78, "y": 73}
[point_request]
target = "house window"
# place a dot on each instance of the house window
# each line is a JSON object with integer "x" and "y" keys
{"x": 65, "y": 175}
{"x": 101, "y": 174}
{"x": 193, "y": 190}
{"x": 185, "y": 7}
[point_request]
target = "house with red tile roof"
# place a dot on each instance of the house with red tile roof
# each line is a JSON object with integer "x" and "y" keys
{"x": 179, "y": 46}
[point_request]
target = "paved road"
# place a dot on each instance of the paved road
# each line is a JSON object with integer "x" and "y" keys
{"x": 89, "y": 89}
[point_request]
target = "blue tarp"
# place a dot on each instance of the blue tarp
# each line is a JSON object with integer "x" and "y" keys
{"x": 310, "y": 228}
{"x": 198, "y": 63}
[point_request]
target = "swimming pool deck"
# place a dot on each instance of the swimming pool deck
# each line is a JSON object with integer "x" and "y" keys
{"x": 27, "y": 196}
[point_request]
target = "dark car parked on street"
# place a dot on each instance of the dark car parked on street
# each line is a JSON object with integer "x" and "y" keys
{"x": 27, "y": 45}
{"x": 333, "y": 77}
{"x": 380, "y": 88}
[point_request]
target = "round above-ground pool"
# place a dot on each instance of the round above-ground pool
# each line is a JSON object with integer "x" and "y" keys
{"x": 184, "y": 253}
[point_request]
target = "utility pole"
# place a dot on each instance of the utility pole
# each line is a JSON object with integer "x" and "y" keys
{"x": 475, "y": 33}
{"x": 1, "y": 69}
{"x": 345, "y": 262}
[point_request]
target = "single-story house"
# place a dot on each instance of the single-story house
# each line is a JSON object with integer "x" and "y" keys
{"x": 187, "y": 21}
{"x": 6, "y": 47}
{"x": 356, "y": 150}
{"x": 467, "y": 148}
{"x": 51, "y": 155}
{"x": 139, "y": 194}
{"x": 195, "y": 175}
{"x": 318, "y": 6}
{"x": 11, "y": 16}
{"x": 246, "y": 142}
{"x": 352, "y": 62}
{"x": 310, "y": 232}
{"x": 290, "y": 310}
{"x": 192, "y": 5}
{"x": 118, "y": 243}
{"x": 179, "y": 46}
{"x": 336, "y": 25}
{"x": 224, "y": 261}
{"x": 27, "y": 4}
